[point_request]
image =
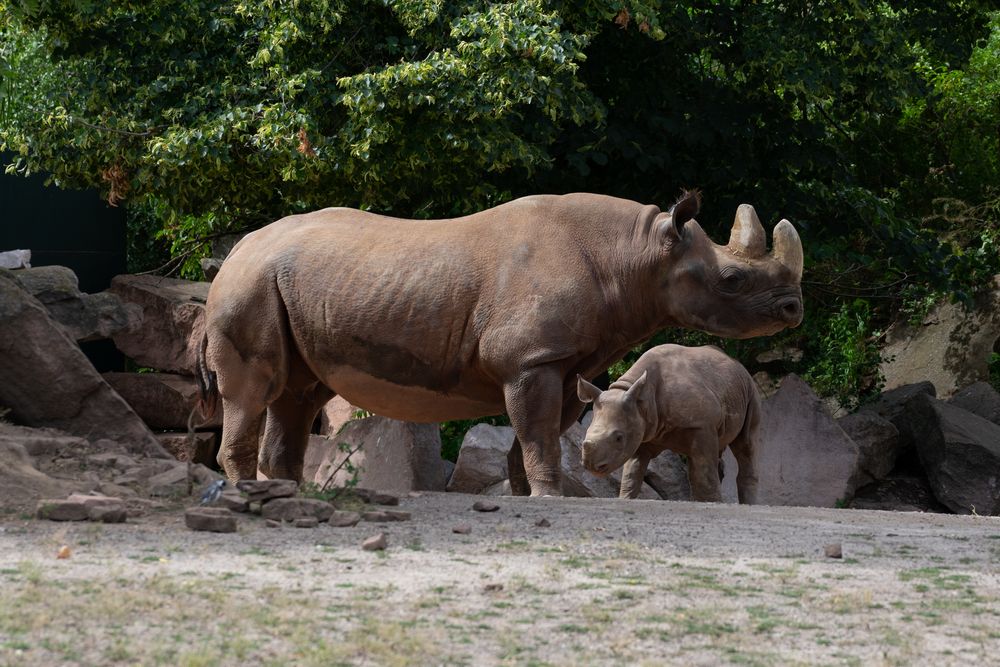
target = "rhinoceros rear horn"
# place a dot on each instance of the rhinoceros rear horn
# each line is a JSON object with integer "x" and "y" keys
{"x": 788, "y": 248}
{"x": 748, "y": 237}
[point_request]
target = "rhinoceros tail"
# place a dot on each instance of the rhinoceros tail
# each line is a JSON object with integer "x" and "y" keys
{"x": 208, "y": 387}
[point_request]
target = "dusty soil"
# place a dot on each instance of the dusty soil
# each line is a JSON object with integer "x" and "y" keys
{"x": 609, "y": 582}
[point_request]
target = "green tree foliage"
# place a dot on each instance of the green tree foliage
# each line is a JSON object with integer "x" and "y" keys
{"x": 871, "y": 125}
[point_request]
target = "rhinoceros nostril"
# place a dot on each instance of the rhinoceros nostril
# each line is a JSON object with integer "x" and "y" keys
{"x": 791, "y": 310}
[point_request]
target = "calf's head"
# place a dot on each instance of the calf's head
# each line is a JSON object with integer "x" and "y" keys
{"x": 736, "y": 291}
{"x": 618, "y": 426}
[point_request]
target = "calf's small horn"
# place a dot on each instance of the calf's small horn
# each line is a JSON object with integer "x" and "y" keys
{"x": 788, "y": 248}
{"x": 748, "y": 237}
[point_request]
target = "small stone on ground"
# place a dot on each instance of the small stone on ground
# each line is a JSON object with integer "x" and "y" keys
{"x": 485, "y": 506}
{"x": 375, "y": 543}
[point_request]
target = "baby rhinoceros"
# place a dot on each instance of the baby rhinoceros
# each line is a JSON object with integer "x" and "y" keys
{"x": 695, "y": 401}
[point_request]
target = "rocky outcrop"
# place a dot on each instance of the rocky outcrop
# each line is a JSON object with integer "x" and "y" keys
{"x": 667, "y": 474}
{"x": 173, "y": 321}
{"x": 21, "y": 482}
{"x": 980, "y": 399}
{"x": 482, "y": 458}
{"x": 960, "y": 453}
{"x": 804, "y": 457}
{"x": 46, "y": 381}
{"x": 951, "y": 347}
{"x": 392, "y": 455}
{"x": 86, "y": 317}
{"x": 164, "y": 401}
{"x": 878, "y": 444}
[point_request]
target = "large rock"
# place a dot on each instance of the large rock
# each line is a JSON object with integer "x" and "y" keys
{"x": 960, "y": 452}
{"x": 979, "y": 398}
{"x": 897, "y": 493}
{"x": 891, "y": 406}
{"x": 45, "y": 380}
{"x": 163, "y": 400}
{"x": 21, "y": 483}
{"x": 335, "y": 415}
{"x": 290, "y": 509}
{"x": 86, "y": 316}
{"x": 951, "y": 347}
{"x": 667, "y": 474}
{"x": 173, "y": 321}
{"x": 393, "y": 455}
{"x": 878, "y": 443}
{"x": 15, "y": 259}
{"x": 210, "y": 519}
{"x": 803, "y": 457}
{"x": 482, "y": 458}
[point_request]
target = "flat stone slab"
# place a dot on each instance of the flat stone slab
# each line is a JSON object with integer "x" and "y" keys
{"x": 263, "y": 490}
{"x": 210, "y": 519}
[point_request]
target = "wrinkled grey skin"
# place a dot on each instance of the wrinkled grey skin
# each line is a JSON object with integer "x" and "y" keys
{"x": 694, "y": 401}
{"x": 434, "y": 320}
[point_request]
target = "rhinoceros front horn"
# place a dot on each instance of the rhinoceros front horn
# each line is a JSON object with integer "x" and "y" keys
{"x": 788, "y": 248}
{"x": 747, "y": 238}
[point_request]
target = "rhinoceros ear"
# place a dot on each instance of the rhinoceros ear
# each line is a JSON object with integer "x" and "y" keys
{"x": 637, "y": 391}
{"x": 681, "y": 212}
{"x": 586, "y": 391}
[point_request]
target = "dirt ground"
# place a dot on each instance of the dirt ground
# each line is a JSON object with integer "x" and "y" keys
{"x": 608, "y": 582}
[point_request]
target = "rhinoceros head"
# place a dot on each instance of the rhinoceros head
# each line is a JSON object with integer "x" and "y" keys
{"x": 737, "y": 290}
{"x": 617, "y": 428}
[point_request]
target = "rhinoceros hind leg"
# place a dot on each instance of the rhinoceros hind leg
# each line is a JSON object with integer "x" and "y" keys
{"x": 240, "y": 436}
{"x": 703, "y": 467}
{"x": 286, "y": 433}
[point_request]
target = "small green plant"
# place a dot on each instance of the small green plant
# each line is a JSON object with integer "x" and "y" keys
{"x": 848, "y": 358}
{"x": 328, "y": 491}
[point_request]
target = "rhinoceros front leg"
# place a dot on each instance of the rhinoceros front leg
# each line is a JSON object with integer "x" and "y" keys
{"x": 534, "y": 405}
{"x": 632, "y": 477}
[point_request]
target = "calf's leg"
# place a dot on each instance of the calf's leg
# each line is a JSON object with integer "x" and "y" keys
{"x": 703, "y": 467}
{"x": 633, "y": 473}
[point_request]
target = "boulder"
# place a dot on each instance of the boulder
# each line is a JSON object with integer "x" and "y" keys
{"x": 86, "y": 317}
{"x": 334, "y": 415}
{"x": 263, "y": 490}
{"x": 951, "y": 347}
{"x": 804, "y": 458}
{"x": 960, "y": 452}
{"x": 199, "y": 448}
{"x": 667, "y": 474}
{"x": 170, "y": 483}
{"x": 173, "y": 321}
{"x": 290, "y": 509}
{"x": 62, "y": 510}
{"x": 46, "y": 380}
{"x": 105, "y": 509}
{"x": 164, "y": 401}
{"x": 482, "y": 458}
{"x": 979, "y": 398}
{"x": 15, "y": 259}
{"x": 341, "y": 519}
{"x": 393, "y": 456}
{"x": 897, "y": 493}
{"x": 210, "y": 519}
{"x": 891, "y": 405}
{"x": 878, "y": 444}
{"x": 21, "y": 482}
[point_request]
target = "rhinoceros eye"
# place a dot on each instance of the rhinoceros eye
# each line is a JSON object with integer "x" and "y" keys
{"x": 732, "y": 279}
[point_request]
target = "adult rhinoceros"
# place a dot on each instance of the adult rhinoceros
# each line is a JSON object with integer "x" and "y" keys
{"x": 434, "y": 320}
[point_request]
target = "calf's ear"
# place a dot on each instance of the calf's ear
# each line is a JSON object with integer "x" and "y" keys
{"x": 637, "y": 391}
{"x": 586, "y": 391}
